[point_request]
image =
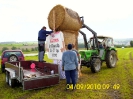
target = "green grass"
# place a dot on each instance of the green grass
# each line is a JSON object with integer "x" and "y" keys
{"x": 31, "y": 52}
{"x": 118, "y": 83}
{"x": 36, "y": 58}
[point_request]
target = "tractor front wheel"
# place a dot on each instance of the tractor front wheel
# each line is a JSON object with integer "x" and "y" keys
{"x": 96, "y": 65}
{"x": 111, "y": 59}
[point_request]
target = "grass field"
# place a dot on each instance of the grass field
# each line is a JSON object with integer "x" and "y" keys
{"x": 114, "y": 83}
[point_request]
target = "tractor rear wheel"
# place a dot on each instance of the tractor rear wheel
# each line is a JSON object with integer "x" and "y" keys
{"x": 96, "y": 65}
{"x": 111, "y": 59}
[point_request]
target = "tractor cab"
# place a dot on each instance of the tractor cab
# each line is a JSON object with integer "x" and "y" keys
{"x": 105, "y": 41}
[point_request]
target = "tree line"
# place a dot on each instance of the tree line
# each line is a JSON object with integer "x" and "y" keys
{"x": 131, "y": 43}
{"x": 80, "y": 45}
{"x": 24, "y": 50}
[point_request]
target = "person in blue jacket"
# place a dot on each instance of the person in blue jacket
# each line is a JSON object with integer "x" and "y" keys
{"x": 70, "y": 65}
{"x": 42, "y": 34}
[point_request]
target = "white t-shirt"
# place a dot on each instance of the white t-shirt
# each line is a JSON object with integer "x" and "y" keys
{"x": 54, "y": 44}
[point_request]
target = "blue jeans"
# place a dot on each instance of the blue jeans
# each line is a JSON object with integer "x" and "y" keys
{"x": 76, "y": 76}
{"x": 70, "y": 76}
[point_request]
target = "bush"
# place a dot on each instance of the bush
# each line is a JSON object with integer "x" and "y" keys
{"x": 27, "y": 50}
{"x": 36, "y": 48}
{"x": 23, "y": 50}
{"x": 32, "y": 49}
{"x": 4, "y": 48}
{"x": 14, "y": 48}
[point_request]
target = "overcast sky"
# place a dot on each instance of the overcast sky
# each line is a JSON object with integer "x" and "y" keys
{"x": 20, "y": 20}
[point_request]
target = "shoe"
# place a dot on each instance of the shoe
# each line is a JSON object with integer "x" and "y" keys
{"x": 73, "y": 89}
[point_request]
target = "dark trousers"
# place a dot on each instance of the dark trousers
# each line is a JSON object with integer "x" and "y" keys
{"x": 41, "y": 49}
{"x": 70, "y": 76}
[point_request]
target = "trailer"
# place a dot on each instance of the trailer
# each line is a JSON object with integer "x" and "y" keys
{"x": 31, "y": 74}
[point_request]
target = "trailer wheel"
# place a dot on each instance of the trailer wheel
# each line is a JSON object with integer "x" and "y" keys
{"x": 7, "y": 77}
{"x": 12, "y": 82}
{"x": 96, "y": 65}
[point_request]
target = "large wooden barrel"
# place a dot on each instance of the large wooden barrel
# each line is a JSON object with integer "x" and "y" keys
{"x": 62, "y": 18}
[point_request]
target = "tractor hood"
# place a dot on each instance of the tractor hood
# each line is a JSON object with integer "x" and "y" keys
{"x": 86, "y": 54}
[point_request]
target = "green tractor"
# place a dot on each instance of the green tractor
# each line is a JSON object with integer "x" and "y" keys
{"x": 99, "y": 49}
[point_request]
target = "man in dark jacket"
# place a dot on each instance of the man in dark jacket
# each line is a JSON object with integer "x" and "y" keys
{"x": 41, "y": 42}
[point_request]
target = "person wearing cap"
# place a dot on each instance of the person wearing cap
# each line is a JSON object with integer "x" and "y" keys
{"x": 70, "y": 65}
{"x": 100, "y": 45}
{"x": 42, "y": 34}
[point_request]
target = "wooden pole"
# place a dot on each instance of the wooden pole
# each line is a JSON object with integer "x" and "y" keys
{"x": 53, "y": 20}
